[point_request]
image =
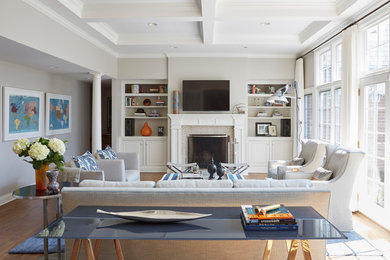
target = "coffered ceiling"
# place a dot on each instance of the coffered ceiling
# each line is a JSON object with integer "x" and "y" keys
{"x": 130, "y": 28}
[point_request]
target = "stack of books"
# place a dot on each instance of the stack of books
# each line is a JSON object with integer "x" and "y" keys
{"x": 273, "y": 217}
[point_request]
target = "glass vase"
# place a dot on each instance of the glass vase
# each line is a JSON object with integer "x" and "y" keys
{"x": 40, "y": 177}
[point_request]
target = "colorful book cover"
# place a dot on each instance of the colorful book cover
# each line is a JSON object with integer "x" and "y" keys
{"x": 268, "y": 227}
{"x": 282, "y": 213}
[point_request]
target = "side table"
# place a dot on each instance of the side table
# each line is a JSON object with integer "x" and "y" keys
{"x": 30, "y": 193}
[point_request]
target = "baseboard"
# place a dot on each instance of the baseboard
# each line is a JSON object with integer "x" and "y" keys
{"x": 6, "y": 198}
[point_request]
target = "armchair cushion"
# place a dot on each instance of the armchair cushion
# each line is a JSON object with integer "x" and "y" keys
{"x": 107, "y": 153}
{"x": 114, "y": 170}
{"x": 69, "y": 174}
{"x": 322, "y": 174}
{"x": 86, "y": 162}
{"x": 337, "y": 162}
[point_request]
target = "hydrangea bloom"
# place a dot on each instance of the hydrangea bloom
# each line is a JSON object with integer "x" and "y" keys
{"x": 57, "y": 146}
{"x": 20, "y": 145}
{"x": 38, "y": 151}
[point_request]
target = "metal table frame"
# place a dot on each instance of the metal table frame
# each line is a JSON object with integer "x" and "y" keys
{"x": 30, "y": 193}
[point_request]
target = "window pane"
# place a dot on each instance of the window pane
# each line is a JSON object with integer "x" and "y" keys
{"x": 326, "y": 67}
{"x": 308, "y": 116}
{"x": 377, "y": 46}
{"x": 338, "y": 62}
{"x": 337, "y": 107}
{"x": 375, "y": 117}
{"x": 324, "y": 115}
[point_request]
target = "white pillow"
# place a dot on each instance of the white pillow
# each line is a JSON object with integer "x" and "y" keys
{"x": 297, "y": 161}
{"x": 131, "y": 184}
{"x": 322, "y": 174}
{"x": 195, "y": 184}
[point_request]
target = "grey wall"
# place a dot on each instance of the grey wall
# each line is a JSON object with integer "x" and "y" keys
{"x": 14, "y": 172}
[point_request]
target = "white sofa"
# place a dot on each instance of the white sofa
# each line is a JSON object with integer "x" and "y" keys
{"x": 262, "y": 192}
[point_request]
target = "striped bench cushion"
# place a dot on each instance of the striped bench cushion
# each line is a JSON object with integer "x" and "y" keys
{"x": 170, "y": 177}
{"x": 234, "y": 177}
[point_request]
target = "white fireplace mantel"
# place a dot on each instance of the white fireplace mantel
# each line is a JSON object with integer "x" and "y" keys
{"x": 237, "y": 121}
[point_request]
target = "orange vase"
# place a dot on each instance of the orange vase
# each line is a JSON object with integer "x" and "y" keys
{"x": 41, "y": 178}
{"x": 146, "y": 131}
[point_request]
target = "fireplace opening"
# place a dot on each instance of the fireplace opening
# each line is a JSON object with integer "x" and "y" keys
{"x": 202, "y": 148}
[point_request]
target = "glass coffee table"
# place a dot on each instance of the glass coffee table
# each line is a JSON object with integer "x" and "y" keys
{"x": 83, "y": 224}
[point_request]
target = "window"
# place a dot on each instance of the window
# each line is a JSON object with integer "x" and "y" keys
{"x": 325, "y": 67}
{"x": 324, "y": 115}
{"x": 308, "y": 110}
{"x": 338, "y": 62}
{"x": 337, "y": 106}
{"x": 377, "y": 46}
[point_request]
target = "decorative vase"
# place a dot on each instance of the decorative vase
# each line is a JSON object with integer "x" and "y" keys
{"x": 40, "y": 177}
{"x": 176, "y": 102}
{"x": 53, "y": 187}
{"x": 220, "y": 171}
{"x": 212, "y": 168}
{"x": 146, "y": 131}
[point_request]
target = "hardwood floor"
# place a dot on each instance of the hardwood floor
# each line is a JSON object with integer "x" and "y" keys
{"x": 20, "y": 219}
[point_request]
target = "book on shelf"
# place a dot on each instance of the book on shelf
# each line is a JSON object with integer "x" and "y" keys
{"x": 139, "y": 114}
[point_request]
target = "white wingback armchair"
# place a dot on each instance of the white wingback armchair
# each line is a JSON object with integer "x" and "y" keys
{"x": 125, "y": 168}
{"x": 313, "y": 153}
{"x": 344, "y": 163}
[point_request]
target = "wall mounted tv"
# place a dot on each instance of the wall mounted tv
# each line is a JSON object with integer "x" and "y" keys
{"x": 206, "y": 95}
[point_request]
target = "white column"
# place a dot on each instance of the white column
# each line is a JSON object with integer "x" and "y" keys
{"x": 96, "y": 112}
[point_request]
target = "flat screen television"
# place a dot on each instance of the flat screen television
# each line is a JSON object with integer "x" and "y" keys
{"x": 206, "y": 95}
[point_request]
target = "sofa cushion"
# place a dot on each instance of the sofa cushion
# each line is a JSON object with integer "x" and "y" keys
{"x": 86, "y": 162}
{"x": 132, "y": 184}
{"x": 132, "y": 175}
{"x": 107, "y": 153}
{"x": 270, "y": 183}
{"x": 322, "y": 174}
{"x": 195, "y": 184}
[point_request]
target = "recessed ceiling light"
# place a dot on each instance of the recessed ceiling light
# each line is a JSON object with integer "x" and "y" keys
{"x": 173, "y": 47}
{"x": 152, "y": 24}
{"x": 265, "y": 23}
{"x": 53, "y": 67}
{"x": 245, "y": 47}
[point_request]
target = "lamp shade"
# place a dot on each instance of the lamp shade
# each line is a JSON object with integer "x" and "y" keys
{"x": 277, "y": 99}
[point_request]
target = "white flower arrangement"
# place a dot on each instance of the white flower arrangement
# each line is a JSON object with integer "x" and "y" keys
{"x": 41, "y": 151}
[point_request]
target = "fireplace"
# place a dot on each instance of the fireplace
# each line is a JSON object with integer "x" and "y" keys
{"x": 203, "y": 147}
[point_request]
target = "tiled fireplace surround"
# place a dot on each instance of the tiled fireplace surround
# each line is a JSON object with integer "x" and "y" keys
{"x": 183, "y": 125}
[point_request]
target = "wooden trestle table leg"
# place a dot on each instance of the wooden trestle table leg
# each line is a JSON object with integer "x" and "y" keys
{"x": 76, "y": 249}
{"x": 267, "y": 250}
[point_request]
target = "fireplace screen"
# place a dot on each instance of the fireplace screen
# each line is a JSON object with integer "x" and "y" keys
{"x": 201, "y": 148}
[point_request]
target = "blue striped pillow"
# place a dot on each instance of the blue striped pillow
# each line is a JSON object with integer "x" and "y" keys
{"x": 85, "y": 162}
{"x": 170, "y": 177}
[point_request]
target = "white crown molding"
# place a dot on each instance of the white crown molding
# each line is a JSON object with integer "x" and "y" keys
{"x": 141, "y": 55}
{"x": 106, "y": 31}
{"x": 62, "y": 21}
{"x": 76, "y": 6}
{"x": 311, "y": 30}
{"x": 168, "y": 39}
{"x": 342, "y": 5}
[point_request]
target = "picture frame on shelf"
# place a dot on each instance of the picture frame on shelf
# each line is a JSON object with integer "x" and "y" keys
{"x": 262, "y": 129}
{"x": 23, "y": 113}
{"x": 272, "y": 130}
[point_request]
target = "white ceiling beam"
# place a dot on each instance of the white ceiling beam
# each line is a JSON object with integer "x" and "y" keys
{"x": 166, "y": 39}
{"x": 250, "y": 39}
{"x": 104, "y": 12}
{"x": 276, "y": 11}
{"x": 208, "y": 24}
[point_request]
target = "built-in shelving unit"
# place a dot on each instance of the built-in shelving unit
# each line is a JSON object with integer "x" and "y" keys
{"x": 261, "y": 149}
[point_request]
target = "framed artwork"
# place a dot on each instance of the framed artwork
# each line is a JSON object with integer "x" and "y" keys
{"x": 272, "y": 130}
{"x": 262, "y": 129}
{"x": 58, "y": 114}
{"x": 23, "y": 113}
